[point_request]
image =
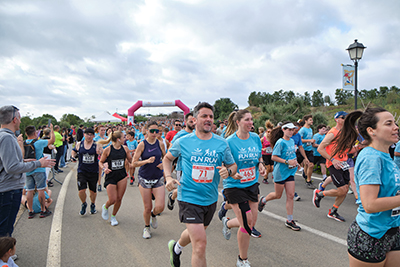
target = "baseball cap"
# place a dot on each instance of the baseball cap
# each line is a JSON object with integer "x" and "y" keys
{"x": 89, "y": 130}
{"x": 340, "y": 113}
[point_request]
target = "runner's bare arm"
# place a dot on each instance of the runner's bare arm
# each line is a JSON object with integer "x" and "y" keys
{"x": 321, "y": 149}
{"x": 292, "y": 162}
{"x": 303, "y": 153}
{"x": 103, "y": 158}
{"x": 224, "y": 173}
{"x": 74, "y": 150}
{"x": 372, "y": 203}
{"x": 138, "y": 163}
{"x": 167, "y": 165}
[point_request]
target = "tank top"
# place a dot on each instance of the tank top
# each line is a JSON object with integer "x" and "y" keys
{"x": 88, "y": 159}
{"x": 150, "y": 170}
{"x": 116, "y": 163}
{"x": 266, "y": 144}
{"x": 329, "y": 149}
{"x": 46, "y": 150}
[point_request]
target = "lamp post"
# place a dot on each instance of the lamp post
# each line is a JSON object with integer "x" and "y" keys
{"x": 356, "y": 50}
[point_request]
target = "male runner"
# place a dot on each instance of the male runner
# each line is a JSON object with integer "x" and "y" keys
{"x": 307, "y": 140}
{"x": 203, "y": 155}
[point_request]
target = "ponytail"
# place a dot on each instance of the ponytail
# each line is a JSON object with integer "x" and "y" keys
{"x": 113, "y": 137}
{"x": 231, "y": 127}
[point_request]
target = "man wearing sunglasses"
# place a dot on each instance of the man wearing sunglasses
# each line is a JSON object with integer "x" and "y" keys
{"x": 177, "y": 128}
{"x": 12, "y": 168}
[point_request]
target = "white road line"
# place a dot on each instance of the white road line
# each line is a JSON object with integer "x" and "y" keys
{"x": 54, "y": 248}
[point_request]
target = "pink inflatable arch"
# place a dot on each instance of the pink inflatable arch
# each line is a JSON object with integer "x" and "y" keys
{"x": 140, "y": 103}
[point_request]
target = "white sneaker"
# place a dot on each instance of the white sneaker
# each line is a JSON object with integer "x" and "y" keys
{"x": 114, "y": 221}
{"x": 225, "y": 230}
{"x": 243, "y": 263}
{"x": 146, "y": 233}
{"x": 14, "y": 257}
{"x": 153, "y": 222}
{"x": 300, "y": 169}
{"x": 104, "y": 212}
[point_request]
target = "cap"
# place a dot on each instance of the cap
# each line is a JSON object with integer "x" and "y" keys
{"x": 289, "y": 126}
{"x": 340, "y": 113}
{"x": 89, "y": 130}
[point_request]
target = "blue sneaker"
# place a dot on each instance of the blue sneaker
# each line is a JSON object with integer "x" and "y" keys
{"x": 222, "y": 211}
{"x": 320, "y": 188}
{"x": 93, "y": 209}
{"x": 223, "y": 195}
{"x": 296, "y": 197}
{"x": 83, "y": 209}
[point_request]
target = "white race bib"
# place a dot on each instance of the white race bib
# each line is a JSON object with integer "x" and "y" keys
{"x": 202, "y": 174}
{"x": 117, "y": 164}
{"x": 268, "y": 150}
{"x": 249, "y": 174}
{"x": 87, "y": 158}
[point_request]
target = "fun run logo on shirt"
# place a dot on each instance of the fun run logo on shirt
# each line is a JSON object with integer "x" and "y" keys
{"x": 249, "y": 153}
{"x": 397, "y": 179}
{"x": 208, "y": 157}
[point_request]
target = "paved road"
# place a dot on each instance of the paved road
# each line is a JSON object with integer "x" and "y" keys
{"x": 68, "y": 239}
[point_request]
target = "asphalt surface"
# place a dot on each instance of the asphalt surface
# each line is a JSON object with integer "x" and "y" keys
{"x": 90, "y": 241}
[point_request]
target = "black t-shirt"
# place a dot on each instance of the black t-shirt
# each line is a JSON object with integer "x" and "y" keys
{"x": 79, "y": 135}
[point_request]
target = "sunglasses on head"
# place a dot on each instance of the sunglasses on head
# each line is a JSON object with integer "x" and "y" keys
{"x": 154, "y": 131}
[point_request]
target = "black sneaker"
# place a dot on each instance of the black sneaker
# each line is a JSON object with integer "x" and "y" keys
{"x": 132, "y": 180}
{"x": 255, "y": 233}
{"x": 304, "y": 175}
{"x": 316, "y": 198}
{"x": 171, "y": 202}
{"x": 50, "y": 184}
{"x": 261, "y": 204}
{"x": 31, "y": 215}
{"x": 335, "y": 215}
{"x": 292, "y": 225}
{"x": 174, "y": 259}
{"x": 83, "y": 209}
{"x": 310, "y": 185}
{"x": 93, "y": 209}
{"x": 99, "y": 188}
{"x": 59, "y": 171}
{"x": 45, "y": 213}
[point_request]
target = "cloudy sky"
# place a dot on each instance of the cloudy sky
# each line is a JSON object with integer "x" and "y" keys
{"x": 85, "y": 57}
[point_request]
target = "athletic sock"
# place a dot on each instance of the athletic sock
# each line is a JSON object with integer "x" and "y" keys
{"x": 152, "y": 214}
{"x": 334, "y": 208}
{"x": 324, "y": 176}
{"x": 290, "y": 218}
{"x": 321, "y": 194}
{"x": 178, "y": 248}
{"x": 242, "y": 259}
{"x": 264, "y": 201}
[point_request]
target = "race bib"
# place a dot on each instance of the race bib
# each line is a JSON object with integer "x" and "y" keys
{"x": 202, "y": 174}
{"x": 396, "y": 211}
{"x": 117, "y": 164}
{"x": 308, "y": 143}
{"x": 345, "y": 166}
{"x": 295, "y": 148}
{"x": 268, "y": 150}
{"x": 87, "y": 158}
{"x": 249, "y": 174}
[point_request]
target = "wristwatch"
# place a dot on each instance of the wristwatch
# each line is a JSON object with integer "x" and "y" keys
{"x": 286, "y": 162}
{"x": 229, "y": 171}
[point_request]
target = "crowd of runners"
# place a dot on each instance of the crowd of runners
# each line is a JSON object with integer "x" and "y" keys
{"x": 189, "y": 158}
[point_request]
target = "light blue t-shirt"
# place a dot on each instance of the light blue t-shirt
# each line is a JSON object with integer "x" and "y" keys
{"x": 39, "y": 146}
{"x": 178, "y": 135}
{"x": 285, "y": 150}
{"x": 247, "y": 154}
{"x": 297, "y": 141}
{"x": 397, "y": 158}
{"x": 36, "y": 204}
{"x": 306, "y": 133}
{"x": 318, "y": 139}
{"x": 132, "y": 144}
{"x": 98, "y": 137}
{"x": 374, "y": 167}
{"x": 200, "y": 177}
{"x": 139, "y": 137}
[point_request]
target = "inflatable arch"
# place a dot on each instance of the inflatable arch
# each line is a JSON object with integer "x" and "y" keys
{"x": 140, "y": 103}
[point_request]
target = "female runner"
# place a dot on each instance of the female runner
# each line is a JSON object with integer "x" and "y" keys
{"x": 267, "y": 150}
{"x": 241, "y": 190}
{"x": 112, "y": 161}
{"x": 373, "y": 238}
{"x": 151, "y": 179}
{"x": 284, "y": 156}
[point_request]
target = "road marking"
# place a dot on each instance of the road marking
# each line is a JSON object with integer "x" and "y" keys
{"x": 54, "y": 248}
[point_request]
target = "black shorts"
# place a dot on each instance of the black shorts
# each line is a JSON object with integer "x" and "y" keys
{"x": 192, "y": 213}
{"x": 339, "y": 177}
{"x": 309, "y": 154}
{"x": 366, "y": 248}
{"x": 318, "y": 160}
{"x": 239, "y": 195}
{"x": 87, "y": 179}
{"x": 113, "y": 180}
{"x": 289, "y": 179}
{"x": 267, "y": 160}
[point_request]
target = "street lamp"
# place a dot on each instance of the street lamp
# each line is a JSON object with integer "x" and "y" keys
{"x": 356, "y": 50}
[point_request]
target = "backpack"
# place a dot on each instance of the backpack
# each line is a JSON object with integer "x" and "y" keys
{"x": 30, "y": 152}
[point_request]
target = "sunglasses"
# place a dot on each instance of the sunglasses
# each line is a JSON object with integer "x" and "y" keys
{"x": 178, "y": 124}
{"x": 341, "y": 117}
{"x": 14, "y": 109}
{"x": 154, "y": 131}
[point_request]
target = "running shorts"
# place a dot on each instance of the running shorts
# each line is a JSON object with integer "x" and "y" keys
{"x": 151, "y": 183}
{"x": 339, "y": 177}
{"x": 289, "y": 179}
{"x": 113, "y": 180}
{"x": 318, "y": 160}
{"x": 267, "y": 160}
{"x": 309, "y": 154}
{"x": 239, "y": 195}
{"x": 366, "y": 248}
{"x": 192, "y": 213}
{"x": 86, "y": 179}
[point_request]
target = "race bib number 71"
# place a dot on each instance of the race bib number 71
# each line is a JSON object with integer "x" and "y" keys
{"x": 202, "y": 174}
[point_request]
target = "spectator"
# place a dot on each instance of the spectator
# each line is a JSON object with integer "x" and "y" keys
{"x": 7, "y": 250}
{"x": 59, "y": 147}
{"x": 177, "y": 128}
{"x": 79, "y": 134}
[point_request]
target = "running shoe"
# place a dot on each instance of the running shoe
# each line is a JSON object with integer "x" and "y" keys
{"x": 310, "y": 185}
{"x": 350, "y": 191}
{"x": 304, "y": 175}
{"x": 320, "y": 187}
{"x": 300, "y": 169}
{"x": 45, "y": 213}
{"x": 225, "y": 230}
{"x": 316, "y": 198}
{"x": 222, "y": 211}
{"x": 104, "y": 212}
{"x": 255, "y": 233}
{"x": 113, "y": 221}
{"x": 296, "y": 197}
{"x": 223, "y": 195}
{"x": 265, "y": 181}
{"x": 83, "y": 209}
{"x": 171, "y": 202}
{"x": 242, "y": 263}
{"x": 99, "y": 188}
{"x": 59, "y": 171}
{"x": 14, "y": 257}
{"x": 93, "y": 209}
{"x": 31, "y": 215}
{"x": 174, "y": 259}
{"x": 292, "y": 225}
{"x": 153, "y": 222}
{"x": 132, "y": 180}
{"x": 146, "y": 232}
{"x": 261, "y": 205}
{"x": 50, "y": 184}
{"x": 335, "y": 215}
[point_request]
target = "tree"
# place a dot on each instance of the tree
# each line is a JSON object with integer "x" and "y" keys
{"x": 327, "y": 100}
{"x": 307, "y": 99}
{"x": 223, "y": 107}
{"x": 317, "y": 99}
{"x": 288, "y": 96}
{"x": 70, "y": 119}
{"x": 342, "y": 96}
{"x": 44, "y": 120}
